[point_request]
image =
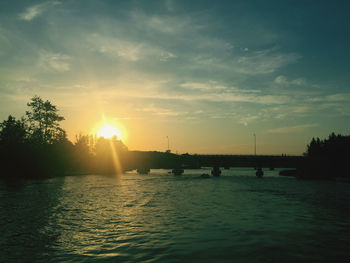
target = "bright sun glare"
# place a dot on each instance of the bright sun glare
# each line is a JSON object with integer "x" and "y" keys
{"x": 109, "y": 131}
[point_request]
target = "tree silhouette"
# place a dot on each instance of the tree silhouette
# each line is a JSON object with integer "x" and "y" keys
{"x": 82, "y": 153}
{"x": 12, "y": 131}
{"x": 13, "y": 139}
{"x": 43, "y": 121}
{"x": 327, "y": 158}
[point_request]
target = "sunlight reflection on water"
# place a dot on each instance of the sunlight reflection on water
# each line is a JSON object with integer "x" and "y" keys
{"x": 166, "y": 218}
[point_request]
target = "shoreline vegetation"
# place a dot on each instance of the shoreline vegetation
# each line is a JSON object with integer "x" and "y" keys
{"x": 35, "y": 146}
{"x": 326, "y": 159}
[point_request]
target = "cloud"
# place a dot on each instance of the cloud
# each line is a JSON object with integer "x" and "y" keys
{"x": 334, "y": 104}
{"x": 246, "y": 120}
{"x": 203, "y": 86}
{"x": 291, "y": 129}
{"x": 161, "y": 111}
{"x": 56, "y": 61}
{"x": 211, "y": 91}
{"x": 335, "y": 98}
{"x": 264, "y": 62}
{"x": 282, "y": 80}
{"x": 163, "y": 24}
{"x": 165, "y": 56}
{"x": 118, "y": 48}
{"x": 233, "y": 63}
{"x": 34, "y": 11}
{"x": 341, "y": 97}
{"x": 295, "y": 109}
{"x": 121, "y": 47}
{"x": 212, "y": 97}
{"x": 31, "y": 12}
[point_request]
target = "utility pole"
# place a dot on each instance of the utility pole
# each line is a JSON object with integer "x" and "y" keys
{"x": 168, "y": 144}
{"x": 254, "y": 144}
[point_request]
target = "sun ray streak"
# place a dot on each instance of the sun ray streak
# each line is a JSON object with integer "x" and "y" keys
{"x": 116, "y": 161}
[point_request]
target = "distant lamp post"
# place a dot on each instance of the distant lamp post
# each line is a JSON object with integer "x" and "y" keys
{"x": 254, "y": 144}
{"x": 168, "y": 150}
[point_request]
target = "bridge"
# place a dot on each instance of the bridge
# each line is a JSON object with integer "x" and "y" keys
{"x": 159, "y": 160}
{"x": 263, "y": 161}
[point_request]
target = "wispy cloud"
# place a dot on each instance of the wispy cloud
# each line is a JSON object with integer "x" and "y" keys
{"x": 291, "y": 129}
{"x": 265, "y": 61}
{"x": 161, "y": 111}
{"x": 282, "y": 80}
{"x": 256, "y": 63}
{"x": 203, "y": 86}
{"x": 31, "y": 12}
{"x": 117, "y": 47}
{"x": 211, "y": 97}
{"x": 165, "y": 56}
{"x": 341, "y": 97}
{"x": 36, "y": 10}
{"x": 121, "y": 47}
{"x": 163, "y": 24}
{"x": 54, "y": 61}
{"x": 247, "y": 119}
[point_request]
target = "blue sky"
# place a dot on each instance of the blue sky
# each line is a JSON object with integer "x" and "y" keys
{"x": 208, "y": 74}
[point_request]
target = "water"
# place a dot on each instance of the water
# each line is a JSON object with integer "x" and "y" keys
{"x": 165, "y": 218}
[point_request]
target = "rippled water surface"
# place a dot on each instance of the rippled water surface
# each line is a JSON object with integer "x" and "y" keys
{"x": 165, "y": 218}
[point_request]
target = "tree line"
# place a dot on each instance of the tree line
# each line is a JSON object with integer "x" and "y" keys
{"x": 327, "y": 159}
{"x": 36, "y": 146}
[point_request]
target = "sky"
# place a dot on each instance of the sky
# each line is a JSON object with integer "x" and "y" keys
{"x": 207, "y": 74}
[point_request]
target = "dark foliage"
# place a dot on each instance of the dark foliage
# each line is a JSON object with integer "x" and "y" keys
{"x": 12, "y": 132}
{"x": 36, "y": 146}
{"x": 328, "y": 158}
{"x": 43, "y": 122}
{"x": 109, "y": 155}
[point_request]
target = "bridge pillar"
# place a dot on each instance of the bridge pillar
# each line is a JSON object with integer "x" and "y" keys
{"x": 177, "y": 171}
{"x": 143, "y": 170}
{"x": 216, "y": 171}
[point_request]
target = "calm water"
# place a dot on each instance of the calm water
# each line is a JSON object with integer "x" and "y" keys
{"x": 165, "y": 218}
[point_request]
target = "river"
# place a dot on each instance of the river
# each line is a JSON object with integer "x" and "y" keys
{"x": 165, "y": 218}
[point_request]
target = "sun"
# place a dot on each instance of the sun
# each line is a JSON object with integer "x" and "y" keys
{"x": 109, "y": 131}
